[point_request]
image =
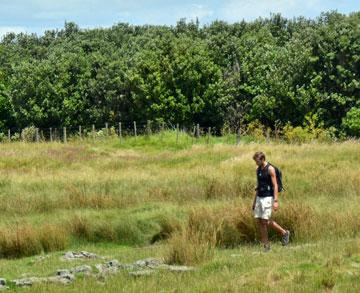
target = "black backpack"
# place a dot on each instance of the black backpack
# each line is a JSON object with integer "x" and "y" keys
{"x": 278, "y": 178}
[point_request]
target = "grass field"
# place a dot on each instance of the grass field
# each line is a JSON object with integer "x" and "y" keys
{"x": 189, "y": 202}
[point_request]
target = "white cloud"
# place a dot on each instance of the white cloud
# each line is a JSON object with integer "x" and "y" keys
{"x": 8, "y": 29}
{"x": 236, "y": 10}
{"x": 200, "y": 11}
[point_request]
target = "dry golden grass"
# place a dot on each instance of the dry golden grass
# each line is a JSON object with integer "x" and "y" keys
{"x": 43, "y": 181}
{"x": 25, "y": 240}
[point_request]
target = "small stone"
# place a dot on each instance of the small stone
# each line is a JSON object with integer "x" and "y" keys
{"x": 69, "y": 277}
{"x": 104, "y": 269}
{"x": 141, "y": 273}
{"x": 177, "y": 269}
{"x": 149, "y": 262}
{"x": 70, "y": 255}
{"x": 27, "y": 282}
{"x": 88, "y": 254}
{"x": 82, "y": 269}
{"x": 59, "y": 279}
{"x": 181, "y": 269}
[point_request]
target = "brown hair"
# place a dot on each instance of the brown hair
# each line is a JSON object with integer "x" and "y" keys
{"x": 259, "y": 156}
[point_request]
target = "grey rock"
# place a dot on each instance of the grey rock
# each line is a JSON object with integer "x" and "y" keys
{"x": 88, "y": 254}
{"x": 26, "y": 282}
{"x": 180, "y": 269}
{"x": 62, "y": 272}
{"x": 104, "y": 269}
{"x": 81, "y": 269}
{"x": 62, "y": 279}
{"x": 149, "y": 262}
{"x": 69, "y": 277}
{"x": 3, "y": 284}
{"x": 65, "y": 279}
{"x": 175, "y": 268}
{"x": 71, "y": 255}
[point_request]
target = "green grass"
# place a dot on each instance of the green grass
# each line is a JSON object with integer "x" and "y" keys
{"x": 151, "y": 196}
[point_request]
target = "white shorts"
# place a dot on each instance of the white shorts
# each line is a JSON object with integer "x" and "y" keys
{"x": 263, "y": 207}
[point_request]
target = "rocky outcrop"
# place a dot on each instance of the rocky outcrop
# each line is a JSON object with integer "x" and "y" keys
{"x": 140, "y": 268}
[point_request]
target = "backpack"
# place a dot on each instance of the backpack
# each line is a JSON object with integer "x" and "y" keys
{"x": 278, "y": 178}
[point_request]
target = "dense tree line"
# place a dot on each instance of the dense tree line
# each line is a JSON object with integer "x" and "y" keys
{"x": 273, "y": 70}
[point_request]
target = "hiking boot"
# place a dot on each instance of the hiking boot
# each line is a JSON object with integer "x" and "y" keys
{"x": 286, "y": 238}
{"x": 267, "y": 247}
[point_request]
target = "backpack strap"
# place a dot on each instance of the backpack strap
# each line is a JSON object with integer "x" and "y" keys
{"x": 268, "y": 173}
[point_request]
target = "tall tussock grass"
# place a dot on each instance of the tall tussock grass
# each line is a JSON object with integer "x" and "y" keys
{"x": 25, "y": 240}
{"x": 209, "y": 228}
{"x": 195, "y": 242}
{"x": 124, "y": 230}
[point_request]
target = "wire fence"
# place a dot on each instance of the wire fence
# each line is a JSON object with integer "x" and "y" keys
{"x": 122, "y": 130}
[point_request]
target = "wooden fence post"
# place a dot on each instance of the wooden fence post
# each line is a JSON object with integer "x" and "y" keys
{"x": 135, "y": 131}
{"x": 93, "y": 132}
{"x": 197, "y": 131}
{"x": 120, "y": 132}
{"x": 37, "y": 134}
{"x": 238, "y": 136}
{"x": 64, "y": 135}
{"x": 107, "y": 128}
{"x": 148, "y": 128}
{"x": 276, "y": 130}
{"x": 268, "y": 135}
{"x": 209, "y": 133}
{"x": 177, "y": 133}
{"x": 51, "y": 135}
{"x": 162, "y": 130}
{"x": 9, "y": 135}
{"x": 80, "y": 132}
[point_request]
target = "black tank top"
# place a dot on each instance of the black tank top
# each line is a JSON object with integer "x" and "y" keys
{"x": 264, "y": 183}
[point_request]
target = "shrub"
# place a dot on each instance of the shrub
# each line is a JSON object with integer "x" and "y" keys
{"x": 296, "y": 134}
{"x": 28, "y": 134}
{"x": 256, "y": 130}
{"x": 3, "y": 137}
{"x": 351, "y": 122}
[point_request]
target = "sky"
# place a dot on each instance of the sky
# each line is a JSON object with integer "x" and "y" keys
{"x": 36, "y": 16}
